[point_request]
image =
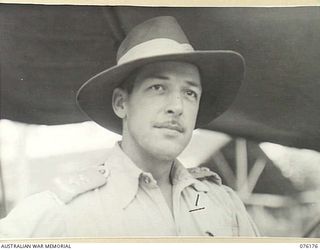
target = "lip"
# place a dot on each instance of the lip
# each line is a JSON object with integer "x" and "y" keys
{"x": 171, "y": 126}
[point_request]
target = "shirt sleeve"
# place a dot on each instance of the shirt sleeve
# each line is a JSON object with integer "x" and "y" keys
{"x": 39, "y": 215}
{"x": 246, "y": 226}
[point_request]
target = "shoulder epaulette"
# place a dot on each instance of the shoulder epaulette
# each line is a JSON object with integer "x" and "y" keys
{"x": 69, "y": 186}
{"x": 204, "y": 173}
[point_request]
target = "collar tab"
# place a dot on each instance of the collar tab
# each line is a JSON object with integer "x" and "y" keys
{"x": 204, "y": 173}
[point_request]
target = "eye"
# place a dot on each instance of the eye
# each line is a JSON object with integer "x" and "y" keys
{"x": 191, "y": 93}
{"x": 157, "y": 87}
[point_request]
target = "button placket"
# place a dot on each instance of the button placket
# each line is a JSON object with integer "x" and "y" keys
{"x": 149, "y": 185}
{"x": 176, "y": 194}
{"x": 178, "y": 189}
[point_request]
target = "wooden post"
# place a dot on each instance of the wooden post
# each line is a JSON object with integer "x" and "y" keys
{"x": 241, "y": 167}
{"x": 255, "y": 173}
{"x": 224, "y": 168}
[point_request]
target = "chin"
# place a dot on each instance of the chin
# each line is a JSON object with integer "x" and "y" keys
{"x": 167, "y": 150}
{"x": 164, "y": 156}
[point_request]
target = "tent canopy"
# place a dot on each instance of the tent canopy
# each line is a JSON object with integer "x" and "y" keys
{"x": 47, "y": 52}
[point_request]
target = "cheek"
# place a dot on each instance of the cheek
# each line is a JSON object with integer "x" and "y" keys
{"x": 141, "y": 113}
{"x": 191, "y": 113}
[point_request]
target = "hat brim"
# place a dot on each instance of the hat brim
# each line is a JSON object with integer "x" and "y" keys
{"x": 221, "y": 75}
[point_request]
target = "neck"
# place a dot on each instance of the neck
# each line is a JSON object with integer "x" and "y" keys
{"x": 159, "y": 168}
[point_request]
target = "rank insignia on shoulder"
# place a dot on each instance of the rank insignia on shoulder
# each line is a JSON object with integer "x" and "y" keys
{"x": 69, "y": 186}
{"x": 202, "y": 173}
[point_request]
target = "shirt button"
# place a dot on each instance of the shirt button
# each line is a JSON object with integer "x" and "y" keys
{"x": 205, "y": 169}
{"x": 146, "y": 179}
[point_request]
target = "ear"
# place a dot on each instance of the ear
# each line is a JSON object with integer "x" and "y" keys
{"x": 119, "y": 99}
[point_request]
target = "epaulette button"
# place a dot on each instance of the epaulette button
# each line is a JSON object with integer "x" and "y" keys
{"x": 205, "y": 169}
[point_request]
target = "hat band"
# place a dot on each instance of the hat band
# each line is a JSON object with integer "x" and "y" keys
{"x": 155, "y": 47}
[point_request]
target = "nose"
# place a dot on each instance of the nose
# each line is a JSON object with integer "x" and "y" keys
{"x": 174, "y": 104}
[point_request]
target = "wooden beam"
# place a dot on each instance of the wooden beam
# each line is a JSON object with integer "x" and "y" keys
{"x": 255, "y": 173}
{"x": 270, "y": 200}
{"x": 241, "y": 166}
{"x": 225, "y": 169}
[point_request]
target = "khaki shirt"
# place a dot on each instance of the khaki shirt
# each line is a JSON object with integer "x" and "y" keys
{"x": 131, "y": 204}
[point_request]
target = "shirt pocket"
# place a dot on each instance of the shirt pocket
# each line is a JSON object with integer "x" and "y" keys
{"x": 215, "y": 219}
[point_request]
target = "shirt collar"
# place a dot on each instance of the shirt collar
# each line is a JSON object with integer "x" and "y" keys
{"x": 124, "y": 173}
{"x": 181, "y": 176}
{"x": 127, "y": 175}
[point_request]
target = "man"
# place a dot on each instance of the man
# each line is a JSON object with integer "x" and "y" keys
{"x": 159, "y": 91}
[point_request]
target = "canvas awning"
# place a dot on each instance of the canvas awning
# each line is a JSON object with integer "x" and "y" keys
{"x": 47, "y": 52}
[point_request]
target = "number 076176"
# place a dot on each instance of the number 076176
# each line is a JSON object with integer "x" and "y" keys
{"x": 309, "y": 245}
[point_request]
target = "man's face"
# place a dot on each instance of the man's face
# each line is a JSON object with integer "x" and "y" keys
{"x": 162, "y": 109}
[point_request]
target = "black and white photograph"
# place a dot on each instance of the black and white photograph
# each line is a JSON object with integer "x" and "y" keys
{"x": 154, "y": 122}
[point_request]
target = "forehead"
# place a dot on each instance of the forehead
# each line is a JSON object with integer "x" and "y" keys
{"x": 170, "y": 70}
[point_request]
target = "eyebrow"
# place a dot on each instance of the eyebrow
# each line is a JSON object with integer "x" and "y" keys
{"x": 160, "y": 77}
{"x": 194, "y": 84}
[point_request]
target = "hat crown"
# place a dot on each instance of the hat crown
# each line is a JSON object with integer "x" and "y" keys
{"x": 156, "y": 36}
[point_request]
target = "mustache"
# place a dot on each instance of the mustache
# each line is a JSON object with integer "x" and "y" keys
{"x": 174, "y": 125}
